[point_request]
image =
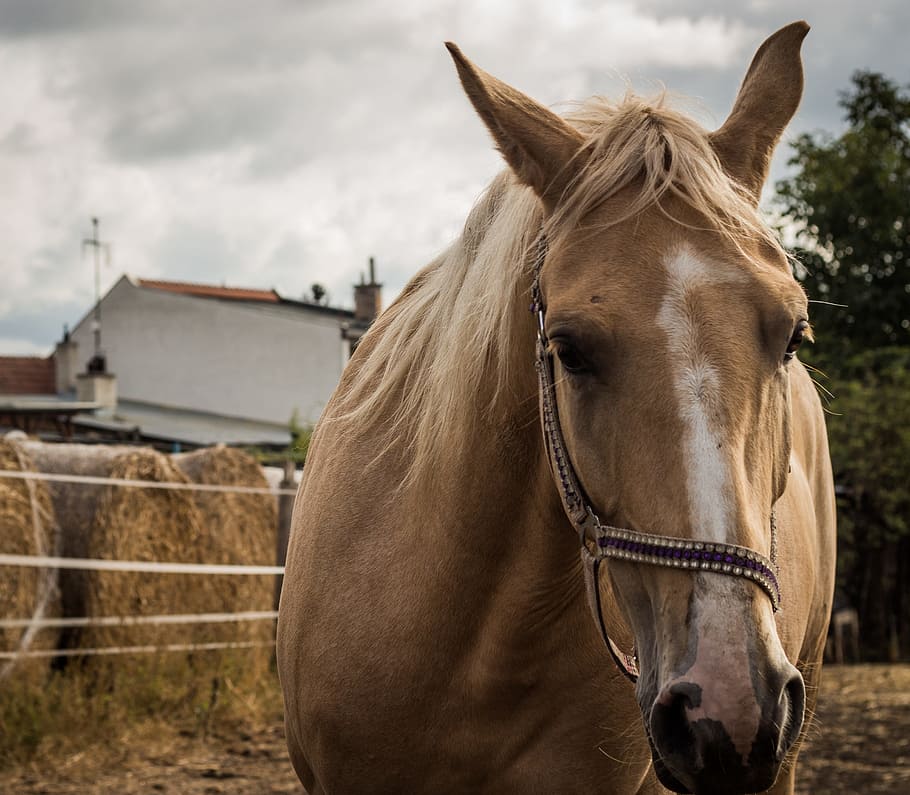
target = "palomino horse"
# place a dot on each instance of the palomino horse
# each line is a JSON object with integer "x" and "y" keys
{"x": 434, "y": 633}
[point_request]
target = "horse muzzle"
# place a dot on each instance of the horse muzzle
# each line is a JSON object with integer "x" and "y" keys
{"x": 697, "y": 740}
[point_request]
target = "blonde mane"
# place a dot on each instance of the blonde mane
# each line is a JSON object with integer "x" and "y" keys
{"x": 455, "y": 350}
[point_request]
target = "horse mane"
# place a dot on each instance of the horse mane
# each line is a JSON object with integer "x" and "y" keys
{"x": 455, "y": 349}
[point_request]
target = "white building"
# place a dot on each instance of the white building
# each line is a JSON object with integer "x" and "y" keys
{"x": 203, "y": 364}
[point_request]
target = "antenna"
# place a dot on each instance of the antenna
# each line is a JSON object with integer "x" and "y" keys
{"x": 97, "y": 364}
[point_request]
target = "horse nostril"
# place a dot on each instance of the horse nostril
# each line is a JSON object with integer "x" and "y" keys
{"x": 795, "y": 693}
{"x": 680, "y": 695}
{"x": 669, "y": 720}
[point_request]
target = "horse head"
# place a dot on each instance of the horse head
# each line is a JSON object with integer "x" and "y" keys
{"x": 672, "y": 317}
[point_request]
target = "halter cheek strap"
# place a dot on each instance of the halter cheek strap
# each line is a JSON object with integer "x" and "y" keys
{"x": 599, "y": 541}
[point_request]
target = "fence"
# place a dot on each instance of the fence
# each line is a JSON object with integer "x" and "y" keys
{"x": 284, "y": 493}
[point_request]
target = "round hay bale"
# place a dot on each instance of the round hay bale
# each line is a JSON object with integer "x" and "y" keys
{"x": 240, "y": 529}
{"x": 115, "y": 522}
{"x": 74, "y": 505}
{"x": 135, "y": 523}
{"x": 28, "y": 526}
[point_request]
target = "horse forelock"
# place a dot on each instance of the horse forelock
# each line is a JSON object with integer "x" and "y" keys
{"x": 455, "y": 349}
{"x": 660, "y": 154}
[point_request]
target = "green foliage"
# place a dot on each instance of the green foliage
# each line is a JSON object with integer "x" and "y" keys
{"x": 300, "y": 439}
{"x": 849, "y": 202}
{"x": 870, "y": 442}
{"x": 870, "y": 446}
{"x": 296, "y": 450}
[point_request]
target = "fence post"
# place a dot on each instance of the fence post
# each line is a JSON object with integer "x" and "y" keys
{"x": 285, "y": 509}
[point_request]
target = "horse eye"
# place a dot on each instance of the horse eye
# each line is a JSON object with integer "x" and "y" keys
{"x": 570, "y": 359}
{"x": 799, "y": 334}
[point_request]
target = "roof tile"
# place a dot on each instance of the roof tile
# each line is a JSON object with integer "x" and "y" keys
{"x": 213, "y": 291}
{"x": 27, "y": 375}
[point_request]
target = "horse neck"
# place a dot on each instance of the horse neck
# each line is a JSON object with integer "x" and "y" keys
{"x": 496, "y": 511}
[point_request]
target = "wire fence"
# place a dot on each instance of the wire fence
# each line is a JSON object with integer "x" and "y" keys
{"x": 136, "y": 621}
{"x": 50, "y": 562}
{"x": 92, "y": 480}
{"x": 109, "y": 650}
{"x": 147, "y": 566}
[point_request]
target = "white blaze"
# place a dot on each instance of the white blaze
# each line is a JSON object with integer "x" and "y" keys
{"x": 697, "y": 386}
{"x": 723, "y": 663}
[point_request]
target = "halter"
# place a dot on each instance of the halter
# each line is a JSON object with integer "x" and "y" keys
{"x": 600, "y": 541}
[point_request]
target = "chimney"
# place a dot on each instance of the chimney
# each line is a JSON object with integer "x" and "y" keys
{"x": 96, "y": 387}
{"x": 367, "y": 297}
{"x": 65, "y": 364}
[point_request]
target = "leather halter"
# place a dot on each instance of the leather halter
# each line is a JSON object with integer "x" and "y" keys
{"x": 599, "y": 541}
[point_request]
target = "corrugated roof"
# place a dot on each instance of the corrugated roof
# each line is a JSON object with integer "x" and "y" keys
{"x": 27, "y": 375}
{"x": 213, "y": 291}
{"x": 186, "y": 425}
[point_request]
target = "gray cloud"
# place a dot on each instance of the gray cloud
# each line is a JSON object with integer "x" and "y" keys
{"x": 38, "y": 328}
{"x": 51, "y": 18}
{"x": 19, "y": 140}
{"x": 281, "y": 143}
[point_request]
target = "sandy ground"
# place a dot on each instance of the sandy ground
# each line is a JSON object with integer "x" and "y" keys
{"x": 860, "y": 743}
{"x": 861, "y": 739}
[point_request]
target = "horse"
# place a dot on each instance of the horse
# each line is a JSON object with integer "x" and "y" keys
{"x": 644, "y": 442}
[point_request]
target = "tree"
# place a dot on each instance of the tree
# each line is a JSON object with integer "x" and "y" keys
{"x": 318, "y": 292}
{"x": 849, "y": 203}
{"x": 869, "y": 434}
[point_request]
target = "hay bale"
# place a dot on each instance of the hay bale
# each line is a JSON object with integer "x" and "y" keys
{"x": 240, "y": 529}
{"x": 28, "y": 526}
{"x": 111, "y": 521}
{"x": 74, "y": 505}
{"x": 134, "y": 523}
{"x": 125, "y": 523}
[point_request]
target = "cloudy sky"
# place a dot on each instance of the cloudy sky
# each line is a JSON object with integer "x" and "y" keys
{"x": 278, "y": 143}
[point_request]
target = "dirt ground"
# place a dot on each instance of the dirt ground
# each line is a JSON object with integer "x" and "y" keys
{"x": 860, "y": 743}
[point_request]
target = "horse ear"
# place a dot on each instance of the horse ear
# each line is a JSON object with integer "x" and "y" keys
{"x": 767, "y": 100}
{"x": 540, "y": 147}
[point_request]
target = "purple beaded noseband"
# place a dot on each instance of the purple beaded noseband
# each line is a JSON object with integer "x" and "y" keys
{"x": 681, "y": 553}
{"x": 600, "y": 541}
